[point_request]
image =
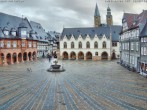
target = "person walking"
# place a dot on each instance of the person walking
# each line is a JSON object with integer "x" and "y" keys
{"x": 49, "y": 57}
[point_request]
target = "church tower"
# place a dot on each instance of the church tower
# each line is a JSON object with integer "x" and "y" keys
{"x": 109, "y": 18}
{"x": 97, "y": 17}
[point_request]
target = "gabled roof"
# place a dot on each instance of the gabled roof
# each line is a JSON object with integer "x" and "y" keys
{"x": 92, "y": 31}
{"x": 136, "y": 20}
{"x": 10, "y": 21}
{"x": 144, "y": 30}
{"x": 38, "y": 29}
{"x": 97, "y": 13}
{"x": 129, "y": 17}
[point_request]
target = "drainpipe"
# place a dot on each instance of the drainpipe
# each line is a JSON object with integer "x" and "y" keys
{"x": 129, "y": 52}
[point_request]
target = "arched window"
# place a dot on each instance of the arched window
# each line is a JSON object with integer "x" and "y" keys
{"x": 104, "y": 44}
{"x": 88, "y": 44}
{"x": 72, "y": 44}
{"x": 65, "y": 45}
{"x": 95, "y": 44}
{"x": 80, "y": 44}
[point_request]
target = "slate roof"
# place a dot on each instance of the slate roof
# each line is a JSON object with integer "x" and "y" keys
{"x": 53, "y": 35}
{"x": 92, "y": 31}
{"x": 144, "y": 30}
{"x": 38, "y": 29}
{"x": 135, "y": 20}
{"x": 12, "y": 23}
{"x": 129, "y": 17}
{"x": 97, "y": 13}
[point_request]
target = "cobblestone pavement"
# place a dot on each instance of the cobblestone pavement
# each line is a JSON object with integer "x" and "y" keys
{"x": 85, "y": 85}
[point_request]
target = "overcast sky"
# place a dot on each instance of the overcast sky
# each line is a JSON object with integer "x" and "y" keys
{"x": 56, "y": 14}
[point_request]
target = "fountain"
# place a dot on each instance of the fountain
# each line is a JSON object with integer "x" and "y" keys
{"x": 55, "y": 67}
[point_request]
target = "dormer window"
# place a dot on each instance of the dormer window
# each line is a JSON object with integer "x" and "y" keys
{"x": 13, "y": 33}
{"x": 23, "y": 33}
{"x": 6, "y": 32}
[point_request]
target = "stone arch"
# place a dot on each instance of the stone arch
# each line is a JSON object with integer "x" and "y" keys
{"x": 20, "y": 57}
{"x": 88, "y": 56}
{"x": 2, "y": 56}
{"x": 14, "y": 57}
{"x": 73, "y": 55}
{"x": 81, "y": 55}
{"x": 30, "y": 56}
{"x": 8, "y": 57}
{"x": 34, "y": 55}
{"x": 113, "y": 55}
{"x": 104, "y": 56}
{"x": 64, "y": 55}
{"x": 25, "y": 56}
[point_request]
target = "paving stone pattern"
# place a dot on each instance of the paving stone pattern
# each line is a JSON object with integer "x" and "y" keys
{"x": 85, "y": 85}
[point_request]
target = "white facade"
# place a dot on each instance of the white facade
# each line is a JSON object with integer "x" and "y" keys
{"x": 97, "y": 52}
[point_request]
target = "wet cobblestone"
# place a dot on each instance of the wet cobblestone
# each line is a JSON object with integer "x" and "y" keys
{"x": 85, "y": 85}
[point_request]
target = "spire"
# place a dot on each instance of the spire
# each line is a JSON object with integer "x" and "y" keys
{"x": 108, "y": 9}
{"x": 96, "y": 11}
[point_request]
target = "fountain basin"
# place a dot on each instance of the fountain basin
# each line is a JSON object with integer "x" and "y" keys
{"x": 56, "y": 66}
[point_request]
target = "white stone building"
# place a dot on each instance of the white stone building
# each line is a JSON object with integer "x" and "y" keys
{"x": 90, "y": 43}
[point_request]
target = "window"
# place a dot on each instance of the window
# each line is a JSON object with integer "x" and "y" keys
{"x": 88, "y": 44}
{"x": 23, "y": 33}
{"x": 14, "y": 44}
{"x": 23, "y": 44}
{"x": 72, "y": 44}
{"x": 137, "y": 46}
{"x": 145, "y": 51}
{"x": 8, "y": 44}
{"x": 1, "y": 44}
{"x": 6, "y": 33}
{"x": 142, "y": 39}
{"x": 30, "y": 44}
{"x": 95, "y": 45}
{"x": 114, "y": 44}
{"x": 145, "y": 39}
{"x": 104, "y": 44}
{"x": 65, "y": 45}
{"x": 80, "y": 44}
{"x": 132, "y": 45}
{"x": 141, "y": 50}
{"x": 14, "y": 33}
{"x": 34, "y": 44}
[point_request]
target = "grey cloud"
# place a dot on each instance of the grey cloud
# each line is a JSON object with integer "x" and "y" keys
{"x": 56, "y": 14}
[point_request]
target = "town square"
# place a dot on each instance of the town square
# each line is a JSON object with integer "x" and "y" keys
{"x": 99, "y": 85}
{"x": 73, "y": 55}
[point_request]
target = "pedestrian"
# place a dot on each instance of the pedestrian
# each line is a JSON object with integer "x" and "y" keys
{"x": 49, "y": 57}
